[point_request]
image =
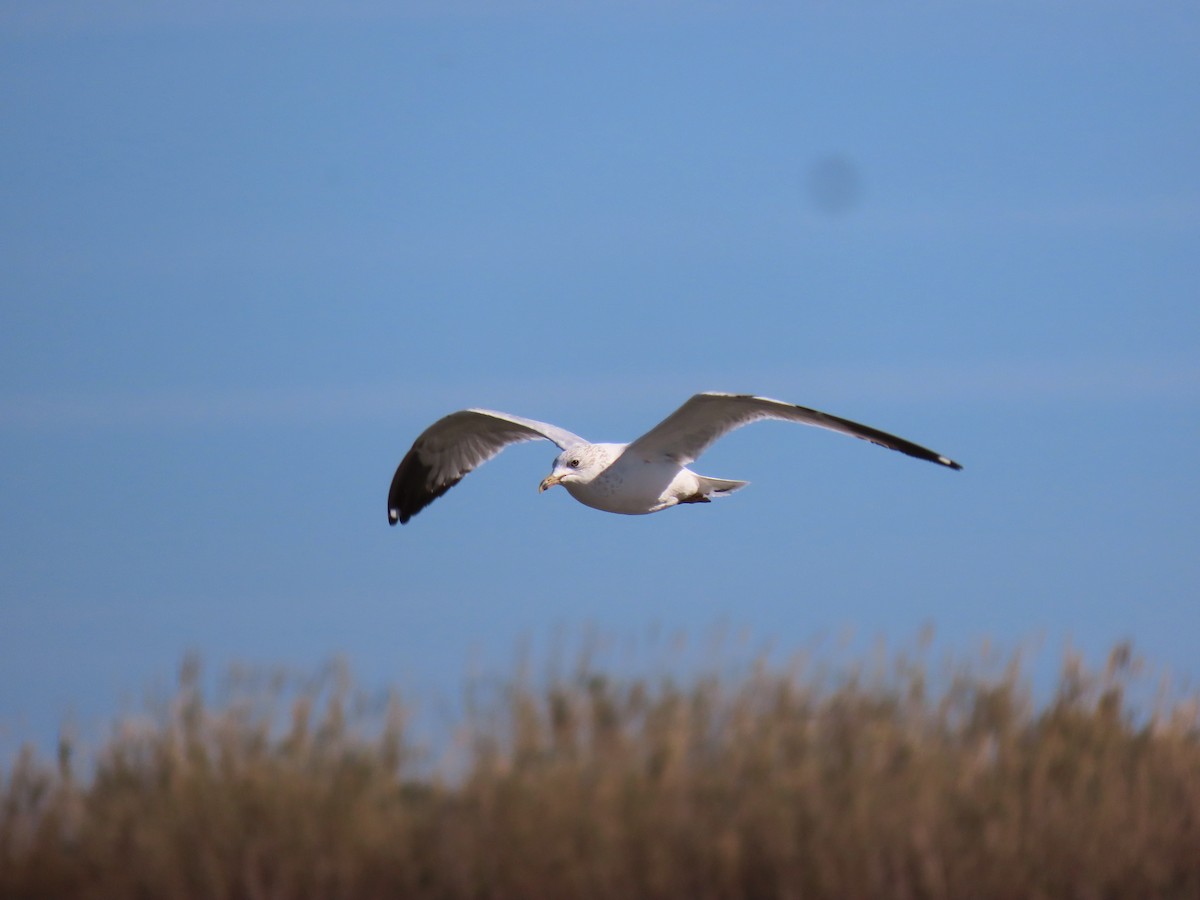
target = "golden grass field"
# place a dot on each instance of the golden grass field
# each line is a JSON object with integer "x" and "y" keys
{"x": 887, "y": 780}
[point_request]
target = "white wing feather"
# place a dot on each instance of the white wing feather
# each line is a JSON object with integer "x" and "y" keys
{"x": 685, "y": 434}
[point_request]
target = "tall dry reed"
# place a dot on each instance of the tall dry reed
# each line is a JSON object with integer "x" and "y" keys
{"x": 885, "y": 781}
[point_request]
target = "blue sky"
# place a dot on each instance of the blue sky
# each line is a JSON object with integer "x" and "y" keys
{"x": 250, "y": 252}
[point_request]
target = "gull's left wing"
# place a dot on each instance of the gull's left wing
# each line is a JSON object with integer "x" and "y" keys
{"x": 695, "y": 426}
{"x": 455, "y": 445}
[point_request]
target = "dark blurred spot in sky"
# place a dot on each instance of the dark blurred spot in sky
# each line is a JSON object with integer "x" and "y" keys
{"x": 833, "y": 184}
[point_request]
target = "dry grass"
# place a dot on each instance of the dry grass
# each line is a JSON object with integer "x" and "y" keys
{"x": 775, "y": 783}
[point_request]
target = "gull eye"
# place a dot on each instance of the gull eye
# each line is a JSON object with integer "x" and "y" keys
{"x": 574, "y": 464}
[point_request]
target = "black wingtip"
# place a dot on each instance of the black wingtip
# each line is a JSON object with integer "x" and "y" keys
{"x": 411, "y": 491}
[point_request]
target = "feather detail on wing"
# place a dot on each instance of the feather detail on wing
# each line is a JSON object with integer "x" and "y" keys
{"x": 455, "y": 445}
{"x": 695, "y": 426}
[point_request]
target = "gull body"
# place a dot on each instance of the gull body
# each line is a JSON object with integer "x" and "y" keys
{"x": 644, "y": 476}
{"x": 606, "y": 477}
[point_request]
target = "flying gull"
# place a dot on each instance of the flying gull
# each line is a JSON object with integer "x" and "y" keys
{"x": 645, "y": 476}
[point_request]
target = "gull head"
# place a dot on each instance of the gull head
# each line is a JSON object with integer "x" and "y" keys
{"x": 576, "y": 465}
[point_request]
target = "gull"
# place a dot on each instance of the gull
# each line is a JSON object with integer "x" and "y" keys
{"x": 645, "y": 476}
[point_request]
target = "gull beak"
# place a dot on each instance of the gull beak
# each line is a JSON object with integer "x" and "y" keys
{"x": 548, "y": 482}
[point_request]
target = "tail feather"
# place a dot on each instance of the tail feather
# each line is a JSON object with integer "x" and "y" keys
{"x": 719, "y": 487}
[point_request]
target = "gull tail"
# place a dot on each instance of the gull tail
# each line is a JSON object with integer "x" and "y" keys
{"x": 719, "y": 487}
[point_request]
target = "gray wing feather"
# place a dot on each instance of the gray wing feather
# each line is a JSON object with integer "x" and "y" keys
{"x": 455, "y": 445}
{"x": 695, "y": 426}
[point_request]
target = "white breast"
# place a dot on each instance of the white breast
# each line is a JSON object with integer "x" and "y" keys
{"x": 635, "y": 487}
